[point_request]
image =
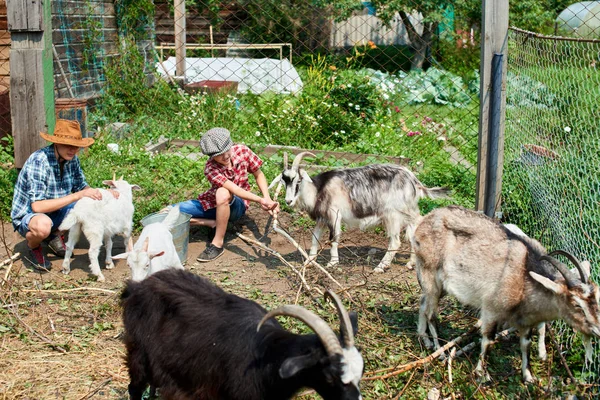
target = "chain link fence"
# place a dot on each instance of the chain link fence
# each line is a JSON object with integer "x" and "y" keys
{"x": 551, "y": 185}
{"x": 280, "y": 73}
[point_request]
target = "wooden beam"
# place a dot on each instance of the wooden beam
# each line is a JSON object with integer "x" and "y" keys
{"x": 179, "y": 22}
{"x": 24, "y": 15}
{"x": 26, "y": 95}
{"x": 494, "y": 39}
{"x": 31, "y": 80}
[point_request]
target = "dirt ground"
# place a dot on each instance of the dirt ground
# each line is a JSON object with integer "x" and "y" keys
{"x": 60, "y": 335}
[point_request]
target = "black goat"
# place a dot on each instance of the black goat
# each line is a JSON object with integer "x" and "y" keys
{"x": 193, "y": 340}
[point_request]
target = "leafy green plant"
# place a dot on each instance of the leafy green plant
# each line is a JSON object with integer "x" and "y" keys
{"x": 8, "y": 176}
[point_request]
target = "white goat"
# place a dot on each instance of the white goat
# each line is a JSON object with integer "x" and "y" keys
{"x": 506, "y": 275}
{"x": 358, "y": 197}
{"x": 154, "y": 250}
{"x": 100, "y": 219}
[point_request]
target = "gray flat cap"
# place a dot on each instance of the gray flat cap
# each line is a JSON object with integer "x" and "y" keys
{"x": 215, "y": 141}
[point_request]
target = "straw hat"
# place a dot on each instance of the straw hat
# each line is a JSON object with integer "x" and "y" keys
{"x": 67, "y": 132}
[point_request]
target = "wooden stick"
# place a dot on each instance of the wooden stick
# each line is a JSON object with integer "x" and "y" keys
{"x": 562, "y": 358}
{"x": 10, "y": 260}
{"x": 39, "y": 335}
{"x": 429, "y": 358}
{"x": 108, "y": 291}
{"x": 405, "y": 386}
{"x": 283, "y": 260}
{"x": 62, "y": 72}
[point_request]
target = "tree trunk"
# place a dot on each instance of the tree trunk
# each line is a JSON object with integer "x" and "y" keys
{"x": 419, "y": 43}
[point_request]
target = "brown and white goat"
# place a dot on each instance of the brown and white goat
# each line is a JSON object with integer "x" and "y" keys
{"x": 357, "y": 197}
{"x": 508, "y": 276}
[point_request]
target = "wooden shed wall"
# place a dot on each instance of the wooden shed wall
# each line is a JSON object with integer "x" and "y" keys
{"x": 197, "y": 25}
{"x": 75, "y": 22}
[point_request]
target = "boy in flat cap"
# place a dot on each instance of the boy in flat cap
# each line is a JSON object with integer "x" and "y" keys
{"x": 49, "y": 184}
{"x": 229, "y": 196}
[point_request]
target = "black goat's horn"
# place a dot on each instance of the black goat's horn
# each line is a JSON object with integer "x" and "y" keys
{"x": 298, "y": 158}
{"x": 324, "y": 332}
{"x": 569, "y": 278}
{"x": 575, "y": 262}
{"x": 345, "y": 323}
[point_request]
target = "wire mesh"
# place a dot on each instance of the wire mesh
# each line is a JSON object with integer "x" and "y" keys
{"x": 551, "y": 185}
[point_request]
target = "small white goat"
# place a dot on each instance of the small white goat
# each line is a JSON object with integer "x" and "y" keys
{"x": 154, "y": 250}
{"x": 100, "y": 219}
{"x": 505, "y": 274}
{"x": 358, "y": 197}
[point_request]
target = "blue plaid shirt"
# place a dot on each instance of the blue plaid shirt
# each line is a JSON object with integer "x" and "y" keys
{"x": 40, "y": 179}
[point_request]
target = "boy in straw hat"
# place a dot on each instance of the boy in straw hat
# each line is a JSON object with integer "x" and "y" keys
{"x": 229, "y": 196}
{"x": 48, "y": 186}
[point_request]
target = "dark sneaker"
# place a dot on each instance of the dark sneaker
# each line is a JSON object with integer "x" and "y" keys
{"x": 211, "y": 252}
{"x": 57, "y": 245}
{"x": 37, "y": 258}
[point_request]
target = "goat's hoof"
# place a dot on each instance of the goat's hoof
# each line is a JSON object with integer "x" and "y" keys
{"x": 379, "y": 270}
{"x": 410, "y": 266}
{"x": 100, "y": 278}
{"x": 332, "y": 264}
{"x": 66, "y": 271}
{"x": 110, "y": 265}
{"x": 427, "y": 343}
{"x": 482, "y": 375}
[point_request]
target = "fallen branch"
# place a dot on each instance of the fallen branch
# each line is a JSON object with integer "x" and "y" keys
{"x": 90, "y": 394}
{"x": 429, "y": 358}
{"x": 10, "y": 260}
{"x": 283, "y": 260}
{"x": 283, "y": 233}
{"x": 39, "y": 335}
{"x": 108, "y": 291}
{"x": 562, "y": 358}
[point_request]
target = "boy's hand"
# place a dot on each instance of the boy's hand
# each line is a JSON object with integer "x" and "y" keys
{"x": 114, "y": 192}
{"x": 269, "y": 205}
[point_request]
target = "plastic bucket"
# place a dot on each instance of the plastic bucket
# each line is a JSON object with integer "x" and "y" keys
{"x": 180, "y": 232}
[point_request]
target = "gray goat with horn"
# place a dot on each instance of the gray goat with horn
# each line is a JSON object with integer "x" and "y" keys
{"x": 508, "y": 276}
{"x": 378, "y": 194}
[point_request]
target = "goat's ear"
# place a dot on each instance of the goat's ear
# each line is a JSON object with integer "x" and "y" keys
{"x": 121, "y": 256}
{"x": 275, "y": 181}
{"x": 547, "y": 283}
{"x": 135, "y": 187}
{"x": 130, "y": 244}
{"x": 145, "y": 245}
{"x": 587, "y": 267}
{"x": 291, "y": 366}
{"x": 151, "y": 256}
{"x": 110, "y": 183}
{"x": 305, "y": 175}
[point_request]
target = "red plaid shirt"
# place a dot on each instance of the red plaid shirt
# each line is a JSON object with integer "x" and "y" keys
{"x": 244, "y": 161}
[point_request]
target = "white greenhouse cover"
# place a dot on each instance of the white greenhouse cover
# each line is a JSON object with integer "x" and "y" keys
{"x": 253, "y": 75}
{"x": 581, "y": 19}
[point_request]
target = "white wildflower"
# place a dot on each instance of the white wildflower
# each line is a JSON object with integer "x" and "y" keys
{"x": 567, "y": 129}
{"x": 257, "y": 133}
{"x": 377, "y": 134}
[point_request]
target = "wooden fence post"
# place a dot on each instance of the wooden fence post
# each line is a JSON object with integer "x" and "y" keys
{"x": 494, "y": 40}
{"x": 180, "y": 37}
{"x": 31, "y": 75}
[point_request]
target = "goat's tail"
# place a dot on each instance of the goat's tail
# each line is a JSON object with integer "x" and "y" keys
{"x": 69, "y": 221}
{"x": 171, "y": 219}
{"x": 436, "y": 192}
